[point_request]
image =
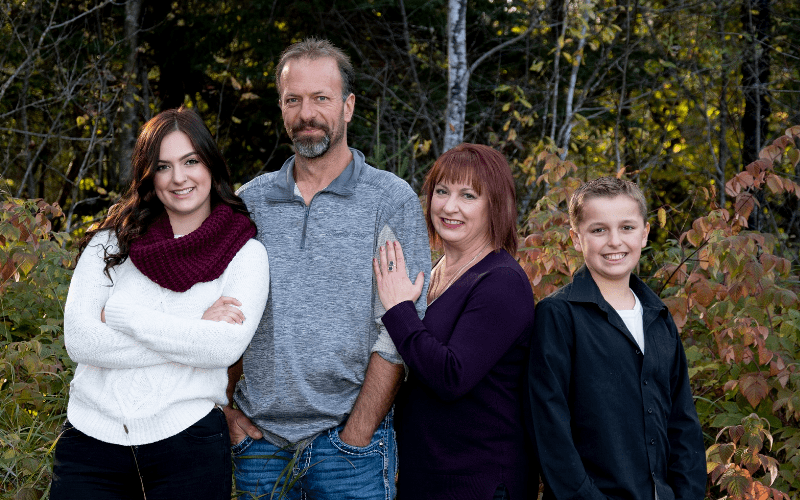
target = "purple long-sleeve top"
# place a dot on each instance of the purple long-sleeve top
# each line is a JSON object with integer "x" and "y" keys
{"x": 459, "y": 416}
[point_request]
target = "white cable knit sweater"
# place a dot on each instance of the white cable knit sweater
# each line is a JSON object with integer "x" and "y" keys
{"x": 155, "y": 367}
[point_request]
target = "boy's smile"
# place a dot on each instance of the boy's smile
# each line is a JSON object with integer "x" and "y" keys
{"x": 611, "y": 237}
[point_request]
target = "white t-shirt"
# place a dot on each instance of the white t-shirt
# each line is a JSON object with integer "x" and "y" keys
{"x": 633, "y": 320}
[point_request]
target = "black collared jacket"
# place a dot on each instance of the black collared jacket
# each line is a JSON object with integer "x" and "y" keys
{"x": 610, "y": 421}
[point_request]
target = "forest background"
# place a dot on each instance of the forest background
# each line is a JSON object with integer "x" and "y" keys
{"x": 696, "y": 101}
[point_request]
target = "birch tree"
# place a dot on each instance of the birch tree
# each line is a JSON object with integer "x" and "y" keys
{"x": 459, "y": 70}
{"x": 457, "y": 73}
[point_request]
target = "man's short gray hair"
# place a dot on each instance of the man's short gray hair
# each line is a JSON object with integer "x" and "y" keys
{"x": 313, "y": 48}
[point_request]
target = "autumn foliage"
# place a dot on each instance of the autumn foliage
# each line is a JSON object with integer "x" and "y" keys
{"x": 733, "y": 293}
{"x": 34, "y": 367}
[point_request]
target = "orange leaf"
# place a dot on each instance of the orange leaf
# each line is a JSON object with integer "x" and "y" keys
{"x": 679, "y": 308}
{"x": 754, "y": 387}
{"x": 775, "y": 184}
{"x": 771, "y": 153}
{"x": 793, "y": 131}
{"x": 703, "y": 294}
{"x": 745, "y": 203}
{"x": 730, "y": 385}
{"x": 737, "y": 291}
{"x": 783, "y": 141}
{"x": 759, "y": 491}
{"x": 736, "y": 481}
{"x": 535, "y": 240}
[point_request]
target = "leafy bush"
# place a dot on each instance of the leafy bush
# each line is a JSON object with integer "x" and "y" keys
{"x": 34, "y": 367}
{"x": 734, "y": 295}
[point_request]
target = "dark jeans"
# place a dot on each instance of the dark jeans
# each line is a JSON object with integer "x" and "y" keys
{"x": 195, "y": 463}
{"x": 501, "y": 493}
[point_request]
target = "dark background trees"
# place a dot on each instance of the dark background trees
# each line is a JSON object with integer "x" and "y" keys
{"x": 681, "y": 93}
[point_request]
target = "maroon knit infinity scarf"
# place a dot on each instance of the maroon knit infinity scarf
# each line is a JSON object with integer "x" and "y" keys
{"x": 202, "y": 255}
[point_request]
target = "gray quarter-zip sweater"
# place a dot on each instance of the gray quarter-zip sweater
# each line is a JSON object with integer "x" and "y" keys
{"x": 306, "y": 364}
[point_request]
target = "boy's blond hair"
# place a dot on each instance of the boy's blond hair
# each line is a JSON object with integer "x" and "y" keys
{"x": 603, "y": 187}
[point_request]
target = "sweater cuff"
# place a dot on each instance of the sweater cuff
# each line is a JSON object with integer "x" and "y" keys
{"x": 385, "y": 348}
{"x": 117, "y": 316}
{"x": 401, "y": 320}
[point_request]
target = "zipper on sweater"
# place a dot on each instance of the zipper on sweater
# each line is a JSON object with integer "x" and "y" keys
{"x": 305, "y": 225}
{"x": 305, "y": 219}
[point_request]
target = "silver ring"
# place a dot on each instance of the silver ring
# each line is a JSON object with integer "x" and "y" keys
{"x": 391, "y": 265}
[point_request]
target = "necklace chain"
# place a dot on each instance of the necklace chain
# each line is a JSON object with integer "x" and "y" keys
{"x": 458, "y": 273}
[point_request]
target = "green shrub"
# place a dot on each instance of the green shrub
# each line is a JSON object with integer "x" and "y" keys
{"x": 34, "y": 367}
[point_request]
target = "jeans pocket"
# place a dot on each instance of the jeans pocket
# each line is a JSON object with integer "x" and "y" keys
{"x": 242, "y": 446}
{"x": 212, "y": 426}
{"x": 376, "y": 444}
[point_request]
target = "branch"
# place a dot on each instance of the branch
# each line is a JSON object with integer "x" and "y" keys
{"x": 423, "y": 109}
{"x": 50, "y": 136}
{"x": 50, "y": 26}
{"x": 503, "y": 45}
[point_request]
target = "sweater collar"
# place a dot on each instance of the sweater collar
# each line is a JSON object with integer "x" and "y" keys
{"x": 343, "y": 185}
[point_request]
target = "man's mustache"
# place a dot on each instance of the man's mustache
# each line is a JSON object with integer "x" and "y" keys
{"x": 310, "y": 124}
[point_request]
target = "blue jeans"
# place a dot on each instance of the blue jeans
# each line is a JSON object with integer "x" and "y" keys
{"x": 194, "y": 463}
{"x": 326, "y": 468}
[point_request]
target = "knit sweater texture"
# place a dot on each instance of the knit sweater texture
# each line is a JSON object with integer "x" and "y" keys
{"x": 307, "y": 361}
{"x": 154, "y": 367}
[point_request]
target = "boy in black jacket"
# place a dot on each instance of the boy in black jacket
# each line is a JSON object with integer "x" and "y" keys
{"x": 612, "y": 409}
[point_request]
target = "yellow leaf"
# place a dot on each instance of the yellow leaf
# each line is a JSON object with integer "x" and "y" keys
{"x": 662, "y": 217}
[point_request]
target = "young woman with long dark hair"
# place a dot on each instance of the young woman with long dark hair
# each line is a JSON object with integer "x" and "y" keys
{"x": 167, "y": 293}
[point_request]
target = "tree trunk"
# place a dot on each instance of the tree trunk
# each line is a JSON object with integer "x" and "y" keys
{"x": 755, "y": 78}
{"x": 458, "y": 74}
{"x": 559, "y": 30}
{"x": 724, "y": 116}
{"x": 756, "y": 22}
{"x": 621, "y": 131}
{"x": 130, "y": 125}
{"x": 565, "y": 133}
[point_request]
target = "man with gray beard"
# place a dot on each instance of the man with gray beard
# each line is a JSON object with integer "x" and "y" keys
{"x": 321, "y": 372}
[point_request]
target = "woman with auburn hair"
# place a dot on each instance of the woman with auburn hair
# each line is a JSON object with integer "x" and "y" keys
{"x": 459, "y": 418}
{"x": 167, "y": 293}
